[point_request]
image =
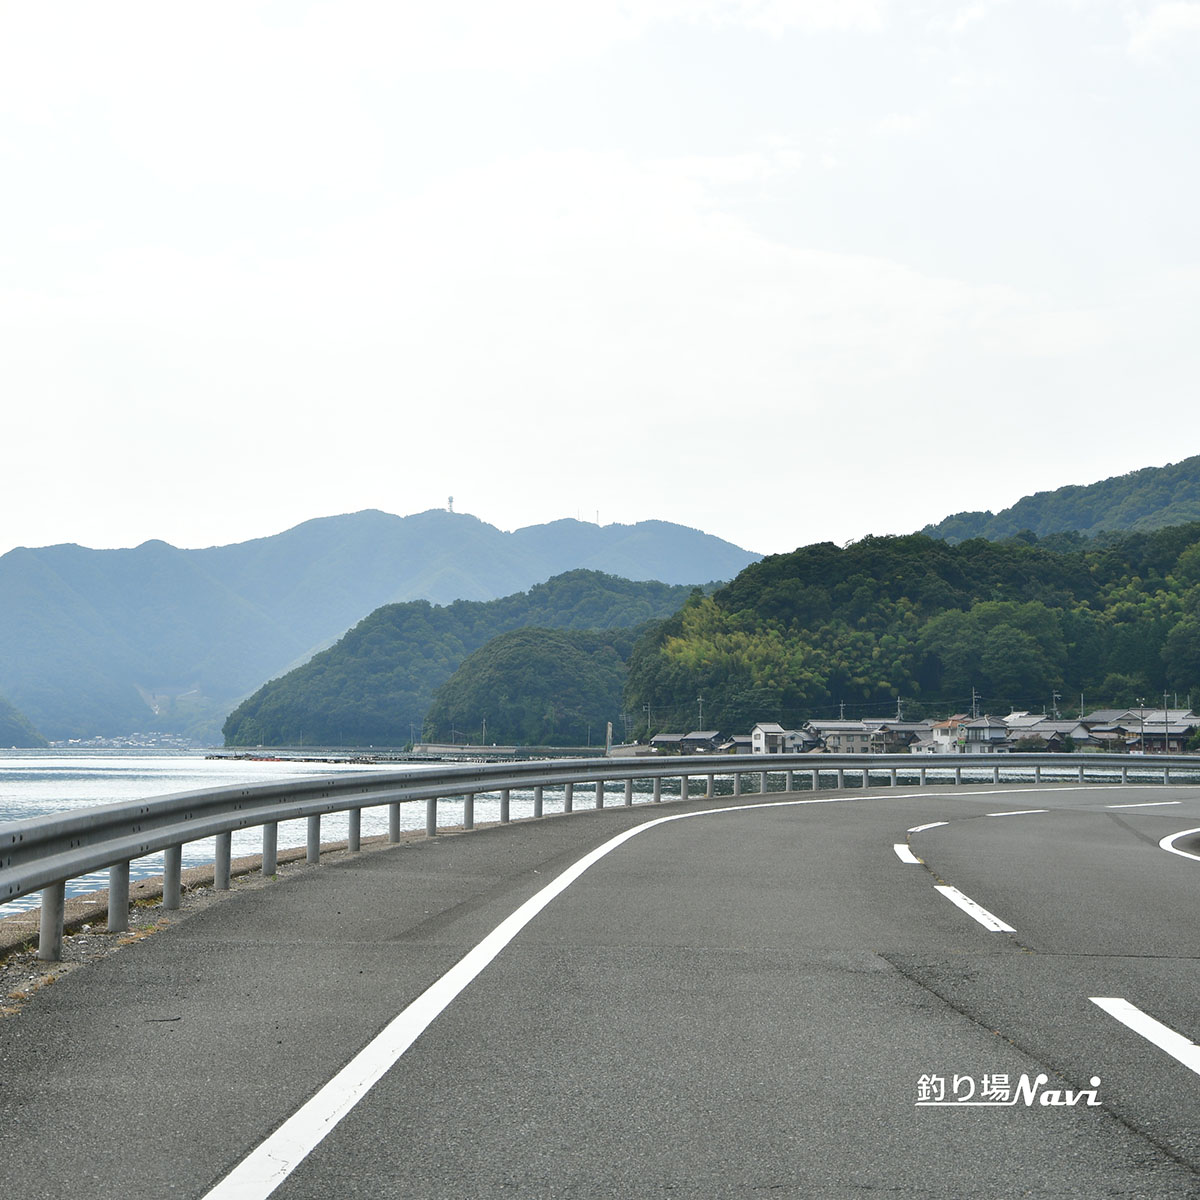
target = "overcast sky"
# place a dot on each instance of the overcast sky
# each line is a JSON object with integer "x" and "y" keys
{"x": 783, "y": 270}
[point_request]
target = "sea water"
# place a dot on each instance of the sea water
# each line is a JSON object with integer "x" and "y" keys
{"x": 35, "y": 783}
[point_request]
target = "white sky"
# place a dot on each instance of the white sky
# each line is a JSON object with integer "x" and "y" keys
{"x": 782, "y": 270}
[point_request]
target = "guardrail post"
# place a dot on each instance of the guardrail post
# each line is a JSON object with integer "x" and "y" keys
{"x": 394, "y": 822}
{"x": 504, "y": 792}
{"x": 224, "y": 853}
{"x": 172, "y": 876}
{"x": 866, "y": 776}
{"x": 1166, "y": 772}
{"x": 737, "y": 783}
{"x": 657, "y": 789}
{"x": 711, "y": 788}
{"x": 1124, "y": 774}
{"x": 683, "y": 787}
{"x": 569, "y": 798}
{"x": 995, "y": 774}
{"x": 957, "y": 776}
{"x": 892, "y": 776}
{"x": 431, "y": 817}
{"x": 599, "y": 793}
{"x": 537, "y": 801}
{"x": 118, "y": 897}
{"x": 469, "y": 811}
{"x": 270, "y": 848}
{"x": 922, "y": 783}
{"x": 762, "y": 784}
{"x": 789, "y": 781}
{"x": 1081, "y": 772}
{"x": 312, "y": 851}
{"x": 50, "y": 927}
{"x": 816, "y": 779}
{"x": 841, "y": 774}
{"x": 1037, "y": 774}
{"x": 354, "y": 830}
{"x": 629, "y": 792}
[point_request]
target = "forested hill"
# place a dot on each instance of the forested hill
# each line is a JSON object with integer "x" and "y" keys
{"x": 15, "y": 729}
{"x": 795, "y": 635}
{"x": 1152, "y": 498}
{"x": 536, "y": 687}
{"x": 374, "y": 686}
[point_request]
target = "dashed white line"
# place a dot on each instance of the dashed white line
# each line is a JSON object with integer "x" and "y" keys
{"x": 977, "y": 911}
{"x": 1145, "y": 804}
{"x": 1164, "y": 1037}
{"x": 931, "y": 825}
{"x": 904, "y": 854}
{"x": 1017, "y": 812}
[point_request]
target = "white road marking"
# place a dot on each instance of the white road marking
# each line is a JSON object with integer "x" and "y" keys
{"x": 1168, "y": 843}
{"x": 274, "y": 1159}
{"x": 1017, "y": 812}
{"x": 986, "y": 919}
{"x": 1164, "y": 1037}
{"x": 1145, "y": 804}
{"x": 904, "y": 854}
{"x": 931, "y": 825}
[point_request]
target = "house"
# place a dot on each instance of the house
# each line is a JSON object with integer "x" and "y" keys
{"x": 982, "y": 735}
{"x": 943, "y": 736}
{"x": 842, "y": 737}
{"x": 1143, "y": 730}
{"x": 667, "y": 743}
{"x": 897, "y": 737}
{"x": 767, "y": 737}
{"x": 701, "y": 741}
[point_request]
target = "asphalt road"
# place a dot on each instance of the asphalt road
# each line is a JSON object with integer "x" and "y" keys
{"x": 772, "y": 999}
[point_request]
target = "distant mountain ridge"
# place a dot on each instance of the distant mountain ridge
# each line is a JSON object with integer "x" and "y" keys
{"x": 1151, "y": 498}
{"x": 106, "y": 642}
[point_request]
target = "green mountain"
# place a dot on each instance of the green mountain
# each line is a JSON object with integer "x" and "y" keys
{"x": 107, "y": 642}
{"x": 16, "y": 731}
{"x": 375, "y": 686}
{"x": 798, "y": 635}
{"x": 1152, "y": 498}
{"x": 535, "y": 687}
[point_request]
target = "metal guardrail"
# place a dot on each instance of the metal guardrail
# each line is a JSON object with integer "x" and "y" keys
{"x": 43, "y": 853}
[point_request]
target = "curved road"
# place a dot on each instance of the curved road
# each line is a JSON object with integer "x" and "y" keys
{"x": 974, "y": 992}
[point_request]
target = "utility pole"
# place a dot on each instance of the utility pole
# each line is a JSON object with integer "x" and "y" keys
{"x": 700, "y": 701}
{"x": 1142, "y": 713}
{"x": 1055, "y": 697}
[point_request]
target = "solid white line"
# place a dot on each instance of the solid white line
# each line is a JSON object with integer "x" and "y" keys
{"x": 1145, "y": 804}
{"x": 986, "y": 919}
{"x": 1017, "y": 812}
{"x": 904, "y": 854}
{"x": 267, "y": 1166}
{"x": 1168, "y": 843}
{"x": 1165, "y": 1038}
{"x": 931, "y": 825}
